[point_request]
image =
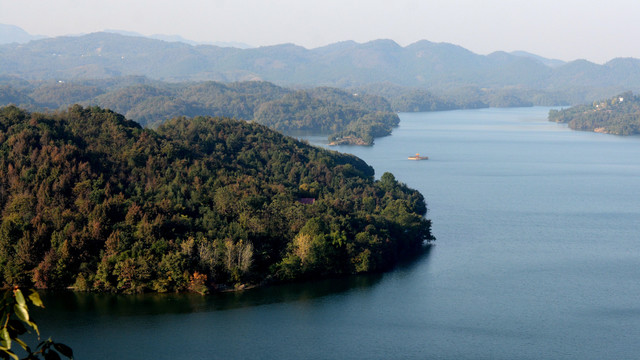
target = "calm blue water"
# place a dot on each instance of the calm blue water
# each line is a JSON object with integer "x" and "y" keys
{"x": 537, "y": 257}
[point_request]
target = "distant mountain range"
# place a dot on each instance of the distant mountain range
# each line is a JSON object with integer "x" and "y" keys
{"x": 548, "y": 62}
{"x": 434, "y": 66}
{"x": 13, "y": 34}
{"x": 178, "y": 38}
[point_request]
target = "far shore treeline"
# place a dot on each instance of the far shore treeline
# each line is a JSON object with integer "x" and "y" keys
{"x": 362, "y": 113}
{"x": 93, "y": 201}
{"x": 619, "y": 115}
{"x": 322, "y": 110}
{"x": 348, "y": 116}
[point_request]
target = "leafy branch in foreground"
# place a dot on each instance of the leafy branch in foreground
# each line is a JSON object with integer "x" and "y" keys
{"x": 14, "y": 314}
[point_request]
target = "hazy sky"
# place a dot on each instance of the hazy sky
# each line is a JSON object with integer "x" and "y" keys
{"x": 565, "y": 29}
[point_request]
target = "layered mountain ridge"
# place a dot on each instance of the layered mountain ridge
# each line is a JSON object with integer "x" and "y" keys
{"x": 345, "y": 64}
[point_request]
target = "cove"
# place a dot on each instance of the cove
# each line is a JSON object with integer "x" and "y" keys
{"x": 537, "y": 257}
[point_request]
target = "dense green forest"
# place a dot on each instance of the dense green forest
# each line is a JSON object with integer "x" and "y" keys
{"x": 407, "y": 99}
{"x": 359, "y": 114}
{"x": 618, "y": 115}
{"x": 96, "y": 202}
{"x": 326, "y": 110}
{"x": 300, "y": 111}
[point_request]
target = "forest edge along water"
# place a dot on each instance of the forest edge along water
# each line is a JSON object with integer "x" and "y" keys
{"x": 537, "y": 258}
{"x": 98, "y": 203}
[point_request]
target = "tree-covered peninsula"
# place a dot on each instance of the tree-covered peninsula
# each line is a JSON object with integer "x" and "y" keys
{"x": 618, "y": 115}
{"x": 93, "y": 201}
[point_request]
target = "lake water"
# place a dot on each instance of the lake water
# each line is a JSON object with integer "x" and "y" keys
{"x": 537, "y": 257}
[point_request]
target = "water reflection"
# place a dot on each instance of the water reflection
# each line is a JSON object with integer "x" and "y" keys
{"x": 59, "y": 303}
{"x": 419, "y": 258}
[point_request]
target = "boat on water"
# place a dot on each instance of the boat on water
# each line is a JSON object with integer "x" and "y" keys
{"x": 418, "y": 157}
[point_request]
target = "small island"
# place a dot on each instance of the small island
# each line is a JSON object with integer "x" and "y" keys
{"x": 349, "y": 140}
{"x": 619, "y": 115}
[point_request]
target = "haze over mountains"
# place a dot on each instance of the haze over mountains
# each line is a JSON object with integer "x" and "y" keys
{"x": 424, "y": 64}
{"x": 178, "y": 38}
{"x": 14, "y": 34}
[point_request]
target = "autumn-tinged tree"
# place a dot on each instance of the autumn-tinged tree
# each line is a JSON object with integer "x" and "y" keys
{"x": 93, "y": 201}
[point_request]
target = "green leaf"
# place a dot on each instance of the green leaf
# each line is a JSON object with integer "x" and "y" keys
{"x": 44, "y": 345}
{"x": 8, "y": 352}
{"x": 22, "y": 312}
{"x": 34, "y": 326}
{"x": 35, "y": 298}
{"x": 21, "y": 343}
{"x": 17, "y": 327}
{"x": 64, "y": 350}
{"x": 5, "y": 338}
{"x": 19, "y": 297}
{"x": 51, "y": 355}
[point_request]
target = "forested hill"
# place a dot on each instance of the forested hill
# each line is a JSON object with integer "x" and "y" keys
{"x": 91, "y": 200}
{"x": 618, "y": 115}
{"x": 321, "y": 110}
